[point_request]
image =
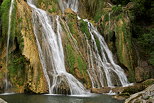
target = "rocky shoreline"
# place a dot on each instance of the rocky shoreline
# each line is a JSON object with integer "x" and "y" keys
{"x": 137, "y": 93}
{"x": 2, "y": 101}
{"x": 146, "y": 96}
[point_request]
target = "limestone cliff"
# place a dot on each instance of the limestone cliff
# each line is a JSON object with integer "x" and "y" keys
{"x": 24, "y": 68}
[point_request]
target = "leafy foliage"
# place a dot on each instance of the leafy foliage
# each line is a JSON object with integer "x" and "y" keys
{"x": 122, "y": 2}
{"x": 99, "y": 10}
{"x": 117, "y": 9}
{"x": 4, "y": 11}
{"x": 146, "y": 40}
{"x": 84, "y": 28}
{"x": 142, "y": 27}
{"x": 17, "y": 68}
{"x": 4, "y": 15}
{"x": 70, "y": 58}
{"x": 151, "y": 59}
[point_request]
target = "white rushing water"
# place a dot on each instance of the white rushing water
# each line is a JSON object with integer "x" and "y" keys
{"x": 107, "y": 71}
{"x": 103, "y": 71}
{"x": 109, "y": 20}
{"x": 64, "y": 4}
{"x": 51, "y": 53}
{"x": 8, "y": 40}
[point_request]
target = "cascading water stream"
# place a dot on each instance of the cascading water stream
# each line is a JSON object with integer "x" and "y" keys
{"x": 109, "y": 20}
{"x": 8, "y": 39}
{"x": 64, "y": 4}
{"x": 102, "y": 68}
{"x": 103, "y": 59}
{"x": 51, "y": 53}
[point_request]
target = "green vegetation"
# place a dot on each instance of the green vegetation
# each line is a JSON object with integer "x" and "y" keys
{"x": 146, "y": 41}
{"x": 122, "y": 2}
{"x": 98, "y": 44}
{"x": 81, "y": 65}
{"x": 143, "y": 9}
{"x": 142, "y": 27}
{"x": 17, "y": 66}
{"x": 4, "y": 15}
{"x": 151, "y": 59}
{"x": 99, "y": 11}
{"x": 117, "y": 9}
{"x": 84, "y": 28}
{"x": 48, "y": 5}
{"x": 21, "y": 42}
{"x": 4, "y": 12}
{"x": 70, "y": 58}
{"x": 52, "y": 10}
{"x": 74, "y": 60}
{"x": 71, "y": 27}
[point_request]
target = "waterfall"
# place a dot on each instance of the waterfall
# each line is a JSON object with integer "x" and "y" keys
{"x": 109, "y": 20}
{"x": 51, "y": 54}
{"x": 106, "y": 70}
{"x": 64, "y": 4}
{"x": 103, "y": 71}
{"x": 8, "y": 39}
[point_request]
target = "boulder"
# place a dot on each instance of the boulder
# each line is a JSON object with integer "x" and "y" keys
{"x": 143, "y": 72}
{"x": 62, "y": 86}
{"x": 101, "y": 90}
{"x": 2, "y": 101}
{"x": 138, "y": 87}
{"x": 118, "y": 90}
{"x": 146, "y": 96}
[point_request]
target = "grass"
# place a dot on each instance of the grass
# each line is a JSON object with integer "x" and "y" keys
{"x": 84, "y": 28}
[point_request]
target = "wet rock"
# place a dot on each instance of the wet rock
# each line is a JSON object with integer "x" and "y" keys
{"x": 101, "y": 90}
{"x": 138, "y": 74}
{"x": 69, "y": 11}
{"x": 118, "y": 97}
{"x": 137, "y": 87}
{"x": 134, "y": 89}
{"x": 2, "y": 101}
{"x": 118, "y": 90}
{"x": 78, "y": 74}
{"x": 146, "y": 96}
{"x": 62, "y": 86}
{"x": 143, "y": 72}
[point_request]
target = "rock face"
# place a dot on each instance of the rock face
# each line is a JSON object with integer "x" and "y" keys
{"x": 146, "y": 96}
{"x": 143, "y": 72}
{"x": 24, "y": 69}
{"x": 35, "y": 78}
{"x": 2, "y": 101}
{"x": 62, "y": 87}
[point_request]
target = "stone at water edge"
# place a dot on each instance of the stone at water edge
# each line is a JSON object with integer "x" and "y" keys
{"x": 146, "y": 96}
{"x": 2, "y": 101}
{"x": 101, "y": 90}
